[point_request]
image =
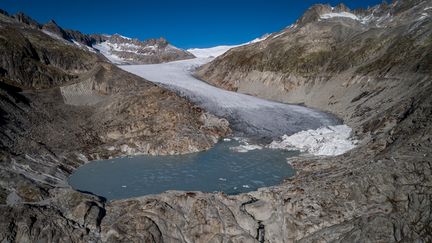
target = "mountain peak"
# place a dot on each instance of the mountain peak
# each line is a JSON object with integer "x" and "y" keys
{"x": 54, "y": 28}
{"x": 25, "y": 19}
{"x": 4, "y": 12}
{"x": 52, "y": 22}
{"x": 342, "y": 8}
{"x": 314, "y": 13}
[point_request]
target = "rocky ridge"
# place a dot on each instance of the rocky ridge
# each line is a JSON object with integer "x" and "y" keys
{"x": 116, "y": 48}
{"x": 123, "y": 50}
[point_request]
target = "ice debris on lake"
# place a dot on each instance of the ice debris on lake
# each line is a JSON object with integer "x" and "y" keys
{"x": 245, "y": 146}
{"x": 326, "y": 141}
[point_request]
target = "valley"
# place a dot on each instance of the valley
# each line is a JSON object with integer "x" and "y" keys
{"x": 337, "y": 106}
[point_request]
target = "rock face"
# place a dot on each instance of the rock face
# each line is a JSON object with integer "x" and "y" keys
{"x": 378, "y": 192}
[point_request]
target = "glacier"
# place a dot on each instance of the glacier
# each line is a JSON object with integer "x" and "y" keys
{"x": 248, "y": 115}
{"x": 262, "y": 121}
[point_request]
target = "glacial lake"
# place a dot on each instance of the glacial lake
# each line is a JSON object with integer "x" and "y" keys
{"x": 221, "y": 168}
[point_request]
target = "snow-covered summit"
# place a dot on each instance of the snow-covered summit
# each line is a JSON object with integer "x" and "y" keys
{"x": 124, "y": 50}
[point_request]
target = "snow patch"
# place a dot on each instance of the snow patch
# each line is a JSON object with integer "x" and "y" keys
{"x": 105, "y": 49}
{"x": 340, "y": 15}
{"x": 124, "y": 37}
{"x": 259, "y": 39}
{"x": 82, "y": 46}
{"x": 423, "y": 16}
{"x": 326, "y": 141}
{"x": 55, "y": 36}
{"x": 276, "y": 36}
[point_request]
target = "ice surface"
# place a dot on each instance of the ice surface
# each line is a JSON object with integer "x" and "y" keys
{"x": 247, "y": 114}
{"x": 329, "y": 141}
{"x": 220, "y": 50}
{"x": 210, "y": 52}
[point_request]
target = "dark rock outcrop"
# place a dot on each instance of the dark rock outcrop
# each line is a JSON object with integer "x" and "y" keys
{"x": 25, "y": 19}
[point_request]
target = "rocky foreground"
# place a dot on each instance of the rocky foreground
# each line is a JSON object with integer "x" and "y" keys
{"x": 377, "y": 77}
{"x": 60, "y": 106}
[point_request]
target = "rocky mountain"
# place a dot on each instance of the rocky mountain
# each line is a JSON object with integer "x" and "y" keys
{"x": 116, "y": 48}
{"x": 123, "y": 50}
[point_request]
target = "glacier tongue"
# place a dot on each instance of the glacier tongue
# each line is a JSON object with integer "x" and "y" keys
{"x": 248, "y": 115}
{"x": 327, "y": 141}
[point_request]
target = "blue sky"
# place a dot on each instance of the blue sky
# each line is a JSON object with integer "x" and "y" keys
{"x": 187, "y": 23}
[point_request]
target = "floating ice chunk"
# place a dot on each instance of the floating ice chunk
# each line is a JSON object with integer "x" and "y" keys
{"x": 246, "y": 147}
{"x": 227, "y": 139}
{"x": 328, "y": 141}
